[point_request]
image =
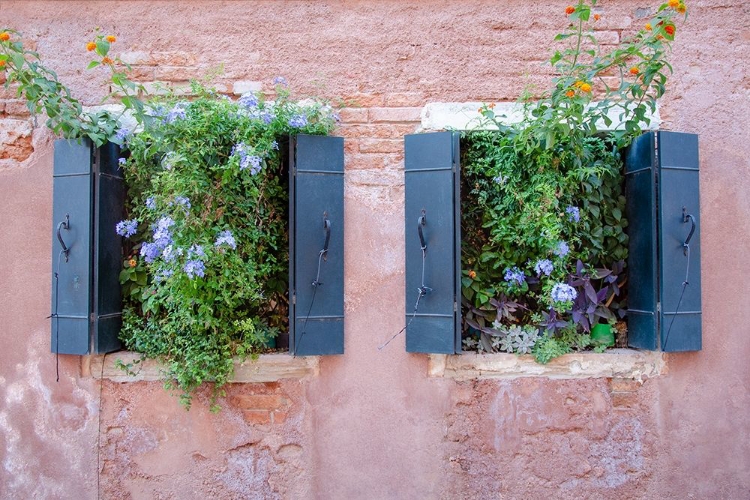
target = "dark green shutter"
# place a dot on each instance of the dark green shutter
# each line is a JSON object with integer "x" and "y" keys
{"x": 663, "y": 205}
{"x": 88, "y": 197}
{"x": 316, "y": 313}
{"x": 432, "y": 190}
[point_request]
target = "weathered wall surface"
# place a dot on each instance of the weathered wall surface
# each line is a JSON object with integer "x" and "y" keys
{"x": 371, "y": 424}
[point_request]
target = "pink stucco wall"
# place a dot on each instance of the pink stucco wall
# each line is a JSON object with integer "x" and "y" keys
{"x": 371, "y": 424}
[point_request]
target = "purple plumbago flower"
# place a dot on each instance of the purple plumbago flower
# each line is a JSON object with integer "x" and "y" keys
{"x": 183, "y": 200}
{"x": 122, "y": 134}
{"x": 543, "y": 266}
{"x": 168, "y": 161}
{"x": 122, "y": 161}
{"x": 275, "y": 145}
{"x": 298, "y": 121}
{"x": 562, "y": 249}
{"x": 196, "y": 250}
{"x": 151, "y": 203}
{"x": 226, "y": 238}
{"x": 562, "y": 292}
{"x": 249, "y": 100}
{"x": 574, "y": 213}
{"x": 252, "y": 162}
{"x": 177, "y": 113}
{"x": 194, "y": 268}
{"x": 514, "y": 274}
{"x": 500, "y": 179}
{"x": 279, "y": 80}
{"x": 170, "y": 253}
{"x": 126, "y": 228}
{"x": 163, "y": 274}
{"x": 267, "y": 116}
{"x": 150, "y": 251}
{"x": 162, "y": 233}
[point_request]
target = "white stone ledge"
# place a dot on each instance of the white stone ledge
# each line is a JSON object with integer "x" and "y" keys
{"x": 465, "y": 116}
{"x": 266, "y": 368}
{"x": 614, "y": 363}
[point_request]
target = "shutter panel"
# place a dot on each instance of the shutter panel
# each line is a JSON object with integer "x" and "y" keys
{"x": 88, "y": 198}
{"x": 679, "y": 197}
{"x": 316, "y": 321}
{"x": 663, "y": 202}
{"x": 432, "y": 190}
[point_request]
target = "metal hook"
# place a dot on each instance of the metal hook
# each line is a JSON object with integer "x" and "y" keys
{"x": 685, "y": 218}
{"x": 422, "y": 221}
{"x": 64, "y": 225}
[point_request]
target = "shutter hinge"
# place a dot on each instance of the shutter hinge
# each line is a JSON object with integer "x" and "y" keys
{"x": 294, "y": 299}
{"x": 658, "y": 307}
{"x": 455, "y": 306}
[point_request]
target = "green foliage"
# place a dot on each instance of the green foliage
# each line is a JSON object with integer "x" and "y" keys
{"x": 209, "y": 192}
{"x": 543, "y": 231}
{"x": 44, "y": 93}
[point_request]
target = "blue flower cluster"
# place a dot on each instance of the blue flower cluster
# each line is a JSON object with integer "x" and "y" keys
{"x": 279, "y": 80}
{"x": 150, "y": 251}
{"x": 253, "y": 162}
{"x": 226, "y": 238}
{"x": 562, "y": 292}
{"x": 151, "y": 203}
{"x": 249, "y": 100}
{"x": 178, "y": 112}
{"x": 194, "y": 268}
{"x": 298, "y": 121}
{"x": 183, "y": 200}
{"x": 122, "y": 135}
{"x": 126, "y": 228}
{"x": 562, "y": 249}
{"x": 514, "y": 274}
{"x": 543, "y": 266}
{"x": 574, "y": 214}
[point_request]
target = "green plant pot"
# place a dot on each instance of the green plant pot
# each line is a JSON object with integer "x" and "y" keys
{"x": 603, "y": 334}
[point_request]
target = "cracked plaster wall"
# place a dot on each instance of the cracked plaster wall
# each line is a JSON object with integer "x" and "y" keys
{"x": 372, "y": 424}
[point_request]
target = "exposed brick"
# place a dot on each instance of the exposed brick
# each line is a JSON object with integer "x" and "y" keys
{"x": 607, "y": 37}
{"x": 135, "y": 57}
{"x": 351, "y": 146}
{"x": 260, "y": 401}
{"x": 380, "y": 145}
{"x": 278, "y": 417}
{"x": 380, "y": 131}
{"x": 363, "y": 100}
{"x": 15, "y": 140}
{"x": 363, "y": 161}
{"x": 244, "y": 86}
{"x": 257, "y": 417}
{"x": 624, "y": 399}
{"x": 353, "y": 115}
{"x": 141, "y": 73}
{"x": 405, "y": 99}
{"x": 395, "y": 114}
{"x": 624, "y": 385}
{"x": 174, "y": 73}
{"x": 16, "y": 108}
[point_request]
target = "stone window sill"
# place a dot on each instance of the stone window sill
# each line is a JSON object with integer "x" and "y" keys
{"x": 266, "y": 368}
{"x": 614, "y": 363}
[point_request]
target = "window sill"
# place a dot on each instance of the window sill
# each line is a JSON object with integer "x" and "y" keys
{"x": 266, "y": 368}
{"x": 614, "y": 363}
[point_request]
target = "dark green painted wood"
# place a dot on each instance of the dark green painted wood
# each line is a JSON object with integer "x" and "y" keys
{"x": 432, "y": 188}
{"x": 316, "y": 194}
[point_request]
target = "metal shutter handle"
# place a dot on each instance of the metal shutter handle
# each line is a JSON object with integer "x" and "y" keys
{"x": 64, "y": 225}
{"x": 687, "y": 217}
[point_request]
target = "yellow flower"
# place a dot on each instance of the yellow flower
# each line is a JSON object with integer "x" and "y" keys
{"x": 4, "y": 36}
{"x": 111, "y": 39}
{"x": 91, "y": 46}
{"x": 648, "y": 27}
{"x": 578, "y": 84}
{"x": 681, "y": 8}
{"x": 674, "y": 3}
{"x": 585, "y": 87}
{"x": 634, "y": 70}
{"x": 132, "y": 262}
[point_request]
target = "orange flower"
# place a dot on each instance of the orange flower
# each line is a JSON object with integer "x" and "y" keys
{"x": 2, "y": 64}
{"x": 674, "y": 3}
{"x": 659, "y": 37}
{"x": 585, "y": 87}
{"x": 570, "y": 93}
{"x": 91, "y": 46}
{"x": 669, "y": 29}
{"x": 570, "y": 9}
{"x": 578, "y": 84}
{"x": 107, "y": 60}
{"x": 597, "y": 17}
{"x": 4, "y": 36}
{"x": 648, "y": 27}
{"x": 472, "y": 274}
{"x": 634, "y": 70}
{"x": 681, "y": 8}
{"x": 132, "y": 262}
{"x": 111, "y": 39}
{"x": 491, "y": 106}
